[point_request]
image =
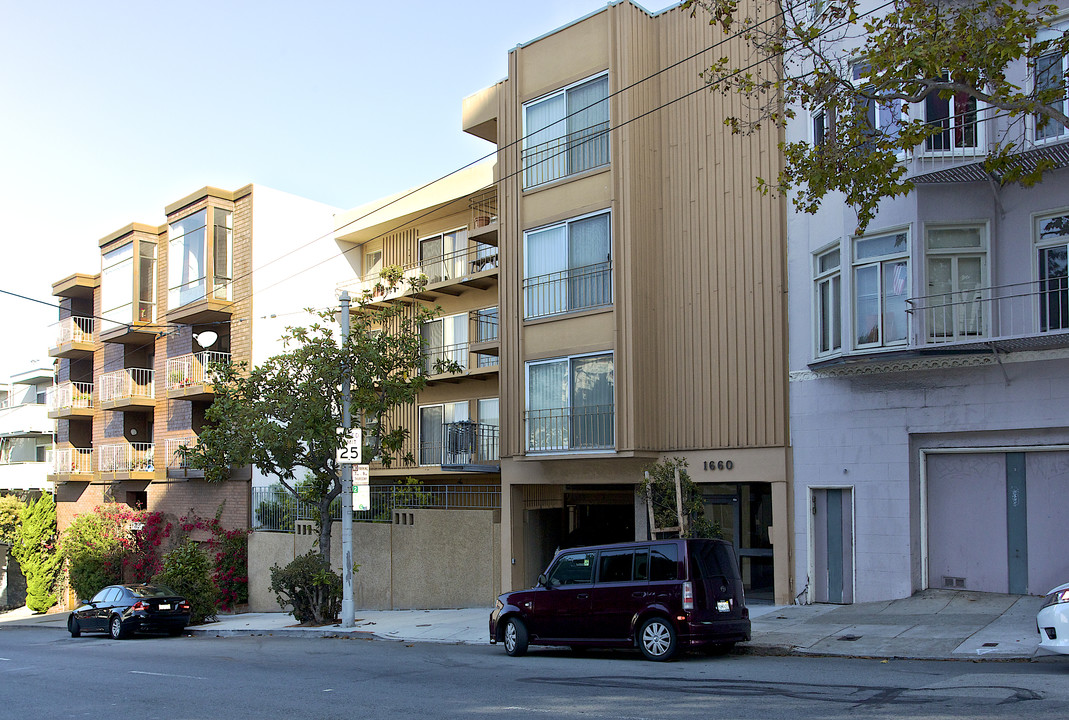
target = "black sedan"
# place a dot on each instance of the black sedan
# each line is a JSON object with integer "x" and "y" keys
{"x": 123, "y": 609}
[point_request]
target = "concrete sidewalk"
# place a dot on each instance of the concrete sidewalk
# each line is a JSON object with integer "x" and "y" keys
{"x": 932, "y": 625}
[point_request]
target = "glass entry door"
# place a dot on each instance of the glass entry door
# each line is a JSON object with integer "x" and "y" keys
{"x": 744, "y": 513}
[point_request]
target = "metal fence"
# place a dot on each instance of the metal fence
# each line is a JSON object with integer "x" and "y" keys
{"x": 127, "y": 383}
{"x": 568, "y": 290}
{"x": 578, "y": 428}
{"x": 75, "y": 329}
{"x": 70, "y": 395}
{"x": 193, "y": 369}
{"x": 276, "y": 509}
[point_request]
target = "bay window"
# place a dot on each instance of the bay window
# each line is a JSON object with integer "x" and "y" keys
{"x": 567, "y": 267}
{"x": 1052, "y": 246}
{"x": 190, "y": 251}
{"x": 956, "y": 120}
{"x": 1050, "y": 73}
{"x": 570, "y": 404}
{"x": 566, "y": 132}
{"x": 128, "y": 283}
{"x": 828, "y": 294}
{"x": 956, "y": 268}
{"x": 881, "y": 287}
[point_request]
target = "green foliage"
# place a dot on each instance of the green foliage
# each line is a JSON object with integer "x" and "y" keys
{"x": 228, "y": 551}
{"x": 283, "y": 415}
{"x": 188, "y": 571}
{"x": 849, "y": 60}
{"x": 10, "y": 507}
{"x": 93, "y": 548}
{"x": 660, "y": 485}
{"x": 35, "y": 549}
{"x": 310, "y": 587}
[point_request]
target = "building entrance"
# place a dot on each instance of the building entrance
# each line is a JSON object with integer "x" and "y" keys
{"x": 744, "y": 513}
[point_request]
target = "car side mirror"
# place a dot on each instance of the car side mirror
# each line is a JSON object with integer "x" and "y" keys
{"x": 543, "y": 581}
{"x": 85, "y": 602}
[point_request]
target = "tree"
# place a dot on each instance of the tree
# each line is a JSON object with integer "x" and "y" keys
{"x": 282, "y": 416}
{"x": 658, "y": 487}
{"x": 35, "y": 549}
{"x": 857, "y": 68}
{"x": 10, "y": 507}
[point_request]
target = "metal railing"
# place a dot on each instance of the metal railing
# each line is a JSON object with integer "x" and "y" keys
{"x": 484, "y": 325}
{"x": 567, "y": 291}
{"x": 171, "y": 445}
{"x": 70, "y": 395}
{"x": 193, "y": 369}
{"x": 126, "y": 457}
{"x": 463, "y": 443}
{"x": 439, "y": 268}
{"x": 72, "y": 461}
{"x": 566, "y": 155}
{"x": 127, "y": 383}
{"x": 276, "y": 509}
{"x": 433, "y": 357}
{"x": 483, "y": 208}
{"x": 75, "y": 329}
{"x": 1000, "y": 312}
{"x": 569, "y": 429}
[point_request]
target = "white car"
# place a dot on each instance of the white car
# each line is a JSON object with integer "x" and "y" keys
{"x": 1053, "y": 621}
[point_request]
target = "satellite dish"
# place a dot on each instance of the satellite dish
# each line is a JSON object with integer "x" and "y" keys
{"x": 206, "y": 339}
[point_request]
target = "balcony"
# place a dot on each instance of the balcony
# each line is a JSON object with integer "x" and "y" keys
{"x": 1018, "y": 316}
{"x": 76, "y": 338}
{"x": 582, "y": 288}
{"x": 177, "y": 466}
{"x": 72, "y": 464}
{"x": 70, "y": 401}
{"x": 566, "y": 430}
{"x": 466, "y": 447}
{"x": 480, "y": 367}
{"x": 447, "y": 274}
{"x": 127, "y": 461}
{"x": 28, "y": 475}
{"x": 484, "y": 222}
{"x": 189, "y": 377}
{"x": 485, "y": 331}
{"x": 129, "y": 390}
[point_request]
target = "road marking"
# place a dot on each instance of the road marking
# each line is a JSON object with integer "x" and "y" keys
{"x": 7, "y": 659}
{"x": 189, "y": 677}
{"x": 515, "y": 708}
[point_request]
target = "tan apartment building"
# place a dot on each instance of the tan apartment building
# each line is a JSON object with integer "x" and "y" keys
{"x": 642, "y": 292}
{"x": 136, "y": 343}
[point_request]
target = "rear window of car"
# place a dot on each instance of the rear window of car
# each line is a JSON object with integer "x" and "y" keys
{"x": 149, "y": 591}
{"x": 664, "y": 563}
{"x": 712, "y": 560}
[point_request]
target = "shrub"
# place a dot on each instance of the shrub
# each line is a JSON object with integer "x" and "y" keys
{"x": 35, "y": 549}
{"x": 229, "y": 554}
{"x": 310, "y": 586}
{"x": 10, "y": 506}
{"x": 188, "y": 571}
{"x": 95, "y": 547}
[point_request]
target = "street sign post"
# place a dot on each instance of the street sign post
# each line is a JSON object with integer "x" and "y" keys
{"x": 350, "y": 453}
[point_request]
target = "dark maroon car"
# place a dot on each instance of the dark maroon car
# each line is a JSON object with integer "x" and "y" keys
{"x": 120, "y": 610}
{"x": 661, "y": 595}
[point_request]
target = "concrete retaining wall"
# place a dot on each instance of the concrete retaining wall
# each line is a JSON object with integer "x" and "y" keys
{"x": 12, "y": 582}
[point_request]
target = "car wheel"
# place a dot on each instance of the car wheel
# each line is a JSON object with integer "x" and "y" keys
{"x": 74, "y": 627}
{"x": 657, "y": 639}
{"x": 515, "y": 637}
{"x": 115, "y": 628}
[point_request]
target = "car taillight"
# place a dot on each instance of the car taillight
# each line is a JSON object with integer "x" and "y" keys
{"x": 688, "y": 596}
{"x": 183, "y": 606}
{"x": 138, "y": 606}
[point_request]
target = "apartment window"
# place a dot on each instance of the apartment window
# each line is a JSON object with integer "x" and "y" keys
{"x": 567, "y": 132}
{"x": 822, "y": 127}
{"x": 188, "y": 257}
{"x": 570, "y": 404}
{"x": 567, "y": 267}
{"x": 829, "y": 302}
{"x": 956, "y": 270}
{"x": 881, "y": 287}
{"x": 127, "y": 297}
{"x": 880, "y": 117}
{"x": 442, "y": 257}
{"x": 1050, "y": 74}
{"x": 372, "y": 263}
{"x": 445, "y": 340}
{"x": 956, "y": 119}
{"x": 433, "y": 420}
{"x": 1052, "y": 241}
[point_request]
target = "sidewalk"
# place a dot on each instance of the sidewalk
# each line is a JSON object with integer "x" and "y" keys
{"x": 932, "y": 625}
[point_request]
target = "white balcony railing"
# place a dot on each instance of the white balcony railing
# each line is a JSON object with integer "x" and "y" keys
{"x": 75, "y": 329}
{"x": 70, "y": 395}
{"x": 72, "y": 461}
{"x": 194, "y": 369}
{"x": 126, "y": 457}
{"x": 171, "y": 446}
{"x": 127, "y": 383}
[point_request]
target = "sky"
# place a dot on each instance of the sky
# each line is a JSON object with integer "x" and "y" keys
{"x": 109, "y": 111}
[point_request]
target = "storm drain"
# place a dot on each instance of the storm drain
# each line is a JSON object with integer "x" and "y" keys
{"x": 989, "y": 645}
{"x": 848, "y": 638}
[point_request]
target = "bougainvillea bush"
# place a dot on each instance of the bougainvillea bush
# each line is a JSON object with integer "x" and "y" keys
{"x": 229, "y": 554}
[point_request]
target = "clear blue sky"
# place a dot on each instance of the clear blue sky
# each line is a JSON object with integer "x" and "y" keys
{"x": 111, "y": 110}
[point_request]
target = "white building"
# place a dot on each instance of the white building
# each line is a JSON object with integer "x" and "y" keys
{"x": 26, "y": 432}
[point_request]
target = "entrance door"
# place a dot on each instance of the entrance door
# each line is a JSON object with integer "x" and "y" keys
{"x": 744, "y": 514}
{"x": 832, "y": 532}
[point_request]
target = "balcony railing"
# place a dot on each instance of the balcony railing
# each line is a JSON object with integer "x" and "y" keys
{"x": 566, "y": 155}
{"x": 568, "y": 291}
{"x": 75, "y": 329}
{"x": 174, "y": 458}
{"x": 484, "y": 325}
{"x": 569, "y": 429}
{"x": 484, "y": 209}
{"x": 127, "y": 383}
{"x": 435, "y": 357}
{"x": 70, "y": 395}
{"x": 72, "y": 461}
{"x": 275, "y": 509}
{"x": 463, "y": 443}
{"x": 194, "y": 369}
{"x": 126, "y": 457}
{"x": 455, "y": 265}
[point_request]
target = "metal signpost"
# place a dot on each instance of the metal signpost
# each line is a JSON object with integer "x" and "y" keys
{"x": 348, "y": 455}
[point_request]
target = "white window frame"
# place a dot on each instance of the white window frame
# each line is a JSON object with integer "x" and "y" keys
{"x": 951, "y": 131}
{"x": 451, "y": 264}
{"x": 956, "y": 254}
{"x": 183, "y": 290}
{"x": 569, "y": 401}
{"x": 827, "y": 277}
{"x": 1054, "y": 31}
{"x": 527, "y": 182}
{"x": 566, "y": 224}
{"x": 879, "y": 262}
{"x": 441, "y": 450}
{"x": 1038, "y": 245}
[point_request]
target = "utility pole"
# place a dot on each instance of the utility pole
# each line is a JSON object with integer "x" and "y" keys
{"x": 348, "y": 608}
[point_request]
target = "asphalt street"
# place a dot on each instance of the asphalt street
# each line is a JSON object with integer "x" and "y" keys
{"x": 46, "y": 673}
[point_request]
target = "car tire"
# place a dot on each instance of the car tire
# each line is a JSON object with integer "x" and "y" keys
{"x": 515, "y": 637}
{"x": 74, "y": 627}
{"x": 657, "y": 639}
{"x": 115, "y": 628}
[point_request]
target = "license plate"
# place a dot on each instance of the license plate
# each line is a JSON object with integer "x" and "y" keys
{"x": 723, "y": 606}
{"x": 165, "y": 606}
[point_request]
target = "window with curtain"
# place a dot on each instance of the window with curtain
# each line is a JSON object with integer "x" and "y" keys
{"x": 566, "y": 132}
{"x": 571, "y": 404}
{"x": 433, "y": 423}
{"x": 443, "y": 257}
{"x": 187, "y": 258}
{"x": 567, "y": 267}
{"x": 445, "y": 339}
{"x": 957, "y": 120}
{"x": 956, "y": 267}
{"x": 881, "y": 288}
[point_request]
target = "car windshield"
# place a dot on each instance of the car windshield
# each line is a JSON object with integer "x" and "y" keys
{"x": 148, "y": 591}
